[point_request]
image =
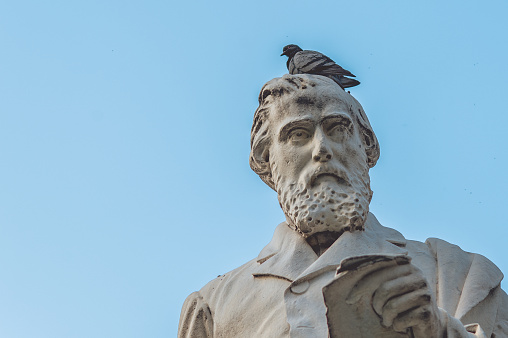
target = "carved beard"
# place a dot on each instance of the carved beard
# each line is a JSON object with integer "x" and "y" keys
{"x": 326, "y": 206}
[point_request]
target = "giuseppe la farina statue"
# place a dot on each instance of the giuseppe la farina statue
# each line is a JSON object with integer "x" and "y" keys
{"x": 331, "y": 269}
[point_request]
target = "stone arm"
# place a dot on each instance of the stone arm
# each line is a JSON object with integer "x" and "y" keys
{"x": 495, "y": 307}
{"x": 489, "y": 318}
{"x": 468, "y": 288}
{"x": 196, "y": 318}
{"x": 501, "y": 320}
{"x": 404, "y": 301}
{"x": 453, "y": 328}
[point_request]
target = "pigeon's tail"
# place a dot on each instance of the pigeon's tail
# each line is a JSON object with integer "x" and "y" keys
{"x": 347, "y": 82}
{"x": 344, "y": 82}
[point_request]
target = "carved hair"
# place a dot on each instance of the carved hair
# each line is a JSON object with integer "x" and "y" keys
{"x": 273, "y": 90}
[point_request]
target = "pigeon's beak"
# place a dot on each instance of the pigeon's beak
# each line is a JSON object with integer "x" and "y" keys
{"x": 283, "y": 53}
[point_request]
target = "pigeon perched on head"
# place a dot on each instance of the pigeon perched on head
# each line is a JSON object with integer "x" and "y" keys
{"x": 310, "y": 62}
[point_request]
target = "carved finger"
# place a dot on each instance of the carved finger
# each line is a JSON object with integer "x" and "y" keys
{"x": 368, "y": 284}
{"x": 399, "y": 305}
{"x": 396, "y": 287}
{"x": 419, "y": 319}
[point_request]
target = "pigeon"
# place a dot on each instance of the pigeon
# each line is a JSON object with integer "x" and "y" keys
{"x": 310, "y": 62}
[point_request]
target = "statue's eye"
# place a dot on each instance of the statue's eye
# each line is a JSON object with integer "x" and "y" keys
{"x": 299, "y": 135}
{"x": 339, "y": 131}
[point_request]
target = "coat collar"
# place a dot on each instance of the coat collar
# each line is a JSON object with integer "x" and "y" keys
{"x": 288, "y": 256}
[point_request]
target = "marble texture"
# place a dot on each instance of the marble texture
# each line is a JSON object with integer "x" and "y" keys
{"x": 331, "y": 270}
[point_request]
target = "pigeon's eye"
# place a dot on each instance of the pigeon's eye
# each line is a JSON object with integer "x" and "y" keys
{"x": 298, "y": 135}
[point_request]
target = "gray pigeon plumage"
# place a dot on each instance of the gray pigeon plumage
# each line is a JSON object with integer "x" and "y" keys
{"x": 310, "y": 62}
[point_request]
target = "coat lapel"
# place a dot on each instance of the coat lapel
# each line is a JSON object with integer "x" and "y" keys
{"x": 375, "y": 240}
{"x": 288, "y": 256}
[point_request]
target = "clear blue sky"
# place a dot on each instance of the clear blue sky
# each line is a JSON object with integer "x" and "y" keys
{"x": 124, "y": 143}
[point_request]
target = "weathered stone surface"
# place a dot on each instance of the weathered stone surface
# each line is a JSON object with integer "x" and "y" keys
{"x": 331, "y": 269}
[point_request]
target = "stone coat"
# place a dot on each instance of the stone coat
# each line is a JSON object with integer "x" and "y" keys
{"x": 279, "y": 294}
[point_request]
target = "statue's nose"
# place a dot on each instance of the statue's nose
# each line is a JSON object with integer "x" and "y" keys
{"x": 322, "y": 151}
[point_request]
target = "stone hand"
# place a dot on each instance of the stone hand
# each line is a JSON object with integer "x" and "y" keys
{"x": 403, "y": 300}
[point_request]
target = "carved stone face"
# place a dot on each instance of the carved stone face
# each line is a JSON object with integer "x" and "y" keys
{"x": 318, "y": 161}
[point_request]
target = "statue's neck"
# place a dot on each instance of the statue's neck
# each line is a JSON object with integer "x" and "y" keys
{"x": 321, "y": 241}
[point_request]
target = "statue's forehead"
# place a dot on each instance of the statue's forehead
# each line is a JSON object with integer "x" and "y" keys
{"x": 304, "y": 102}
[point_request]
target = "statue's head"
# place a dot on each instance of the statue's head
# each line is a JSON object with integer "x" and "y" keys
{"x": 312, "y": 143}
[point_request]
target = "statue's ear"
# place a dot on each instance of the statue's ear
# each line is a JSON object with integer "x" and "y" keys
{"x": 371, "y": 146}
{"x": 259, "y": 160}
{"x": 368, "y": 137}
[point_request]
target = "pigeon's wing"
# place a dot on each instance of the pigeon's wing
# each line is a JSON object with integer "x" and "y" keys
{"x": 312, "y": 62}
{"x": 304, "y": 62}
{"x": 346, "y": 82}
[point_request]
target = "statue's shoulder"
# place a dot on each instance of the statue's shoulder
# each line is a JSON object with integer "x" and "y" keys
{"x": 451, "y": 259}
{"x": 241, "y": 304}
{"x": 447, "y": 253}
{"x": 199, "y": 310}
{"x": 221, "y": 287}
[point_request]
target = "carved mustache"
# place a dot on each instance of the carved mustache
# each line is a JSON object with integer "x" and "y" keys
{"x": 338, "y": 174}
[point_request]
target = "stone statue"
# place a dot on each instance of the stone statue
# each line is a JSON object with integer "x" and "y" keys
{"x": 331, "y": 269}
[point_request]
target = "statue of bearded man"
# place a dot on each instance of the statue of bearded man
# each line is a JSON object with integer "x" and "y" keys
{"x": 331, "y": 270}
